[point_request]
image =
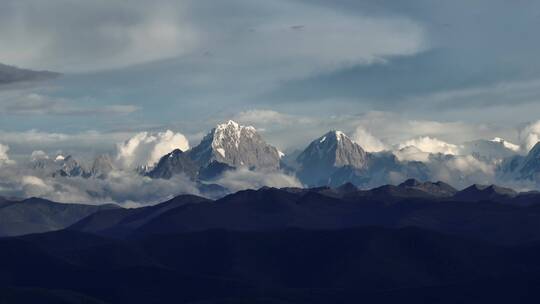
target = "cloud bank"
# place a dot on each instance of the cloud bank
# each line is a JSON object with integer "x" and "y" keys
{"x": 28, "y": 102}
{"x": 367, "y": 141}
{"x": 243, "y": 178}
{"x": 430, "y": 145}
{"x": 115, "y": 34}
{"x": 126, "y": 188}
{"x": 145, "y": 149}
{"x": 122, "y": 34}
{"x": 4, "y": 154}
{"x": 530, "y": 135}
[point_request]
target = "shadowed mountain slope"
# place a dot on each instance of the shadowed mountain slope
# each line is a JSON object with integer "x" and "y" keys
{"x": 425, "y": 205}
{"x": 39, "y": 215}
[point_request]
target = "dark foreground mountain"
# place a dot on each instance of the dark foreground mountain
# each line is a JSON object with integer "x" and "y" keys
{"x": 485, "y": 213}
{"x": 44, "y": 296}
{"x": 39, "y": 215}
{"x": 121, "y": 222}
{"x": 417, "y": 242}
{"x": 282, "y": 266}
{"x": 488, "y": 213}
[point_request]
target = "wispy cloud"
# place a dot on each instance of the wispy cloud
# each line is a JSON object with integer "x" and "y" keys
{"x": 266, "y": 118}
{"x": 115, "y": 34}
{"x": 502, "y": 93}
{"x": 33, "y": 103}
{"x": 285, "y": 37}
{"x": 242, "y": 179}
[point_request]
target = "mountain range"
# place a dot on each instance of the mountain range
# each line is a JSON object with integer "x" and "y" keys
{"x": 434, "y": 206}
{"x": 330, "y": 160}
{"x": 412, "y": 242}
{"x": 34, "y": 215}
{"x": 431, "y": 205}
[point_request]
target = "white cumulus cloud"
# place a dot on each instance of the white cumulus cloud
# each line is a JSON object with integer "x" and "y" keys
{"x": 124, "y": 187}
{"x": 412, "y": 153}
{"x": 530, "y": 135}
{"x": 288, "y": 38}
{"x": 4, "y": 158}
{"x": 244, "y": 178}
{"x": 269, "y": 117}
{"x": 145, "y": 149}
{"x": 367, "y": 141}
{"x": 430, "y": 145}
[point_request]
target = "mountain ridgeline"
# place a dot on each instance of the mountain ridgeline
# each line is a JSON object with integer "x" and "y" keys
{"x": 333, "y": 159}
{"x": 330, "y": 160}
{"x": 435, "y": 206}
{"x": 430, "y": 205}
{"x": 416, "y": 242}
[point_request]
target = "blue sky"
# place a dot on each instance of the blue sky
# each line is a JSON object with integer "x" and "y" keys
{"x": 455, "y": 70}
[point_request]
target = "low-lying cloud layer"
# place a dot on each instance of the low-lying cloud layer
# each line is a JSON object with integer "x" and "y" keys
{"x": 36, "y": 176}
{"x": 124, "y": 187}
{"x": 243, "y": 178}
{"x": 458, "y": 163}
{"x": 430, "y": 145}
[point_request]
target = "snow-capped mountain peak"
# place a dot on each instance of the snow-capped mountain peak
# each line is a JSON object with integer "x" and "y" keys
{"x": 339, "y": 135}
{"x": 235, "y": 145}
{"x": 59, "y": 158}
{"x": 494, "y": 150}
{"x": 230, "y": 132}
{"x": 333, "y": 149}
{"x": 328, "y": 153}
{"x": 506, "y": 144}
{"x": 69, "y": 166}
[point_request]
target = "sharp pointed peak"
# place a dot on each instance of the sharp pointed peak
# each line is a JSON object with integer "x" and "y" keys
{"x": 175, "y": 152}
{"x": 333, "y": 134}
{"x": 336, "y": 133}
{"x": 231, "y": 124}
